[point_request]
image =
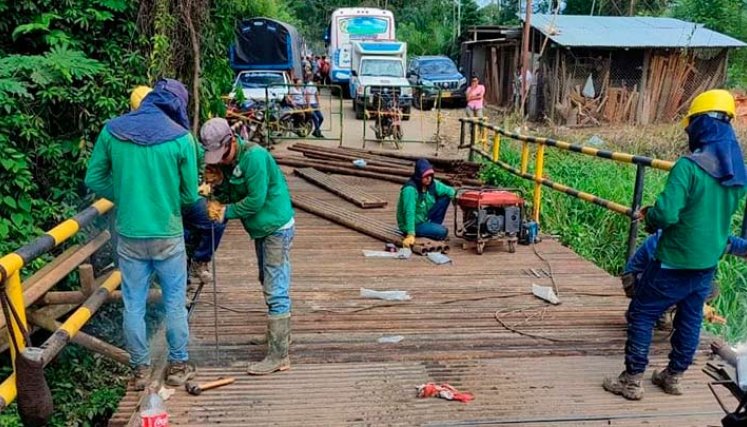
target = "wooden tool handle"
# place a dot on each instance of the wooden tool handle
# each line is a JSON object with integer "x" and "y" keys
{"x": 217, "y": 383}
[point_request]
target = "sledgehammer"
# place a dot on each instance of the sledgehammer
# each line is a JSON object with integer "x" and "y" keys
{"x": 197, "y": 389}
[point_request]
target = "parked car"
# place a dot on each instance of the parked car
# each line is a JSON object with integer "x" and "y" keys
{"x": 429, "y": 74}
{"x": 262, "y": 85}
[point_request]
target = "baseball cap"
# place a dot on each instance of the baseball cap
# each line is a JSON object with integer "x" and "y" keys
{"x": 215, "y": 136}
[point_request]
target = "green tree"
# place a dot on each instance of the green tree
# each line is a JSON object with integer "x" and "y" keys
{"x": 726, "y": 16}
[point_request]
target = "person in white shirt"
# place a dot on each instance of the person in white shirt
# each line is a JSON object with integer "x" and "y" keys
{"x": 311, "y": 93}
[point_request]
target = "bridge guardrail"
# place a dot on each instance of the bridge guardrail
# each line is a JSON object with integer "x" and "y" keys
{"x": 96, "y": 294}
{"x": 482, "y": 134}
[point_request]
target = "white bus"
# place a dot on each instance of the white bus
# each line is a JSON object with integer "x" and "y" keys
{"x": 354, "y": 23}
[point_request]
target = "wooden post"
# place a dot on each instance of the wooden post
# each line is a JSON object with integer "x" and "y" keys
{"x": 87, "y": 279}
{"x": 525, "y": 54}
{"x": 643, "y": 99}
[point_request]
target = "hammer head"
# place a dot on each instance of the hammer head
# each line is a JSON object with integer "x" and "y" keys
{"x": 193, "y": 389}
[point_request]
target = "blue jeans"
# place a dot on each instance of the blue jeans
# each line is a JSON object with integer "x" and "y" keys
{"x": 433, "y": 228}
{"x": 316, "y": 117}
{"x": 198, "y": 229}
{"x": 273, "y": 261}
{"x": 658, "y": 290}
{"x": 139, "y": 259}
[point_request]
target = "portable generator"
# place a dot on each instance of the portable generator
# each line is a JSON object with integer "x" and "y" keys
{"x": 489, "y": 216}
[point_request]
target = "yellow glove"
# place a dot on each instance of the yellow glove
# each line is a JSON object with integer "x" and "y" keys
{"x": 408, "y": 241}
{"x": 216, "y": 211}
{"x": 205, "y": 189}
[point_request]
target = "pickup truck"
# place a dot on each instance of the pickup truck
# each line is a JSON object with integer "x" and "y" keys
{"x": 262, "y": 85}
{"x": 379, "y": 67}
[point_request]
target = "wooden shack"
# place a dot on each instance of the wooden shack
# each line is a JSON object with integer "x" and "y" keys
{"x": 492, "y": 53}
{"x": 590, "y": 70}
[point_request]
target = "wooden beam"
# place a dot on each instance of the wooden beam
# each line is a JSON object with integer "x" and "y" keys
{"x": 78, "y": 297}
{"x": 84, "y": 340}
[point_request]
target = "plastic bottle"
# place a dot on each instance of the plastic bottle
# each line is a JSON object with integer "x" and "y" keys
{"x": 153, "y": 412}
{"x": 742, "y": 366}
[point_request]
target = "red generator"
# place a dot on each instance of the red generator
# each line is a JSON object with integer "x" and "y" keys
{"x": 489, "y": 216}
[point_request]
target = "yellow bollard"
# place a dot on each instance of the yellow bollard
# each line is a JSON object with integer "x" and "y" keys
{"x": 524, "y": 156}
{"x": 538, "y": 169}
{"x": 14, "y": 290}
{"x": 496, "y": 147}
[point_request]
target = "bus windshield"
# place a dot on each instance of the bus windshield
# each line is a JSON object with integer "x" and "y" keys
{"x": 361, "y": 28}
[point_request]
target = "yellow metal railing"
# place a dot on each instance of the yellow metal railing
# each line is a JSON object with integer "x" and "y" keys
{"x": 10, "y": 281}
{"x": 478, "y": 132}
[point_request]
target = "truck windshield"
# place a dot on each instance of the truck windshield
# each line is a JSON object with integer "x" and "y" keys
{"x": 381, "y": 68}
{"x": 260, "y": 80}
{"x": 439, "y": 66}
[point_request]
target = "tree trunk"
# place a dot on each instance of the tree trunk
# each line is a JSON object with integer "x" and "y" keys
{"x": 187, "y": 13}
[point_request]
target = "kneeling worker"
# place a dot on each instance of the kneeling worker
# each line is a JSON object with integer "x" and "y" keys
{"x": 258, "y": 196}
{"x": 423, "y": 202}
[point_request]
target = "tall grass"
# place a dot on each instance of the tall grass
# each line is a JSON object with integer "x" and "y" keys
{"x": 600, "y": 235}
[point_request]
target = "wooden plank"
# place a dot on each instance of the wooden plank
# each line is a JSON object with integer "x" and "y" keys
{"x": 450, "y": 334}
{"x": 355, "y": 221}
{"x": 339, "y": 187}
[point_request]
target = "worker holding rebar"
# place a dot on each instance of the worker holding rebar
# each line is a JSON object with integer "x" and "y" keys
{"x": 423, "y": 202}
{"x": 201, "y": 235}
{"x": 255, "y": 191}
{"x": 694, "y": 212}
{"x": 145, "y": 162}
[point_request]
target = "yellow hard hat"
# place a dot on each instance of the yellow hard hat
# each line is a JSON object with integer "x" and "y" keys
{"x": 137, "y": 96}
{"x": 711, "y": 101}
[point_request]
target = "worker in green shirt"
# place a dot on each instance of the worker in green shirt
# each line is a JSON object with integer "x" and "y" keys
{"x": 255, "y": 191}
{"x": 694, "y": 212}
{"x": 144, "y": 161}
{"x": 201, "y": 235}
{"x": 423, "y": 202}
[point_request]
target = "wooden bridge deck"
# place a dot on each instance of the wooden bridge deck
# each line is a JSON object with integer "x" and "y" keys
{"x": 547, "y": 373}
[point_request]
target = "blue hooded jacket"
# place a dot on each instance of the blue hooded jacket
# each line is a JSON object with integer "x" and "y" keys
{"x": 715, "y": 149}
{"x": 162, "y": 116}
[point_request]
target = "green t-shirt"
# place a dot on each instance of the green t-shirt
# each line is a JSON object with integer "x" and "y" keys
{"x": 412, "y": 208}
{"x": 694, "y": 211}
{"x": 148, "y": 184}
{"x": 257, "y": 191}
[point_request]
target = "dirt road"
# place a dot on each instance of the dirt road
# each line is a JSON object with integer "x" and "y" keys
{"x": 421, "y": 129}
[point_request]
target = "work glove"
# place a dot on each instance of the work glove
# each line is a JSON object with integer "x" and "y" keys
{"x": 408, "y": 241}
{"x": 204, "y": 189}
{"x": 213, "y": 175}
{"x": 641, "y": 214}
{"x": 216, "y": 211}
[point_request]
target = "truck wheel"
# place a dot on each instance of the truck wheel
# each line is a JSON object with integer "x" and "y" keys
{"x": 406, "y": 113}
{"x": 427, "y": 105}
{"x": 360, "y": 111}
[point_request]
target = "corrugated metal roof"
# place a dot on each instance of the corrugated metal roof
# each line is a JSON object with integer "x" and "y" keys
{"x": 628, "y": 31}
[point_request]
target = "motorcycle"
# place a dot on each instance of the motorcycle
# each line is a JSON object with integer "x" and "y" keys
{"x": 387, "y": 116}
{"x": 248, "y": 120}
{"x": 286, "y": 121}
